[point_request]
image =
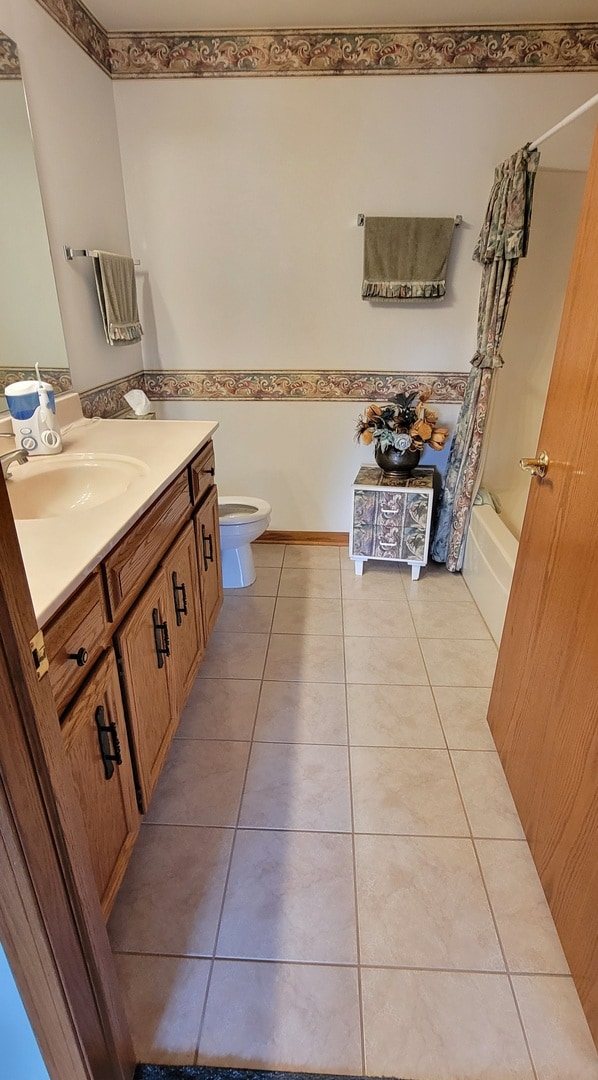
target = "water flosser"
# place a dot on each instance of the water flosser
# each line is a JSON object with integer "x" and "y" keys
{"x": 44, "y": 419}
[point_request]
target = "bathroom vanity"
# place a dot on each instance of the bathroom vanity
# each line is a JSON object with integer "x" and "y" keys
{"x": 127, "y": 596}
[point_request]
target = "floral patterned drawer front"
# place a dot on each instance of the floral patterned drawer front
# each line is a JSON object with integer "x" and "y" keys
{"x": 390, "y": 524}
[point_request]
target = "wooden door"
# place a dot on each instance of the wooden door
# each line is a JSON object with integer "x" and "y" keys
{"x": 184, "y": 617}
{"x": 544, "y": 706}
{"x": 207, "y": 535}
{"x": 97, "y": 749}
{"x": 143, "y": 644}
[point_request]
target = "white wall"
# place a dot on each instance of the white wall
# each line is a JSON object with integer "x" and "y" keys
{"x": 76, "y": 147}
{"x": 30, "y": 326}
{"x": 529, "y": 341}
{"x": 242, "y": 197}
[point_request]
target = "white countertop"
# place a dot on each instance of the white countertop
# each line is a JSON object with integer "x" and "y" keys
{"x": 59, "y": 552}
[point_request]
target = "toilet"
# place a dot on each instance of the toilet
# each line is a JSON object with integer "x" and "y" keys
{"x": 242, "y": 520}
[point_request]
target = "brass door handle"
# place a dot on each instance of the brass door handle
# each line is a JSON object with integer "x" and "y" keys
{"x": 535, "y": 466}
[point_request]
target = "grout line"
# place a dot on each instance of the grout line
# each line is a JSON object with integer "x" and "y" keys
{"x": 232, "y": 851}
{"x": 355, "y": 896}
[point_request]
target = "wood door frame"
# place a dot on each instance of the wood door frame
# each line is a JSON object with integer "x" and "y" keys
{"x": 50, "y": 918}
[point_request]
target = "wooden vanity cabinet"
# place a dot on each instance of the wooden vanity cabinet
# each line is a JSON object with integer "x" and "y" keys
{"x": 184, "y": 617}
{"x": 97, "y": 749}
{"x": 207, "y": 538}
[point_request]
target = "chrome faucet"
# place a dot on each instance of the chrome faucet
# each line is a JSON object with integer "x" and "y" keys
{"x": 15, "y": 457}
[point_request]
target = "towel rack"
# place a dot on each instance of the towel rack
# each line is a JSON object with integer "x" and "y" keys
{"x": 361, "y": 220}
{"x": 85, "y": 253}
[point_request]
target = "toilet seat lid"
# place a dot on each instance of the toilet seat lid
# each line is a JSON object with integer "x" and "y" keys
{"x": 235, "y": 508}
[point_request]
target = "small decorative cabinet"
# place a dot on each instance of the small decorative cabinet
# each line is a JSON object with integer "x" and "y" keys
{"x": 392, "y": 517}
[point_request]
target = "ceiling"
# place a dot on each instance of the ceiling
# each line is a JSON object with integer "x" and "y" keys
{"x": 273, "y": 14}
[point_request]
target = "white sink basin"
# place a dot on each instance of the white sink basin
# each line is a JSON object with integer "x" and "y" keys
{"x": 47, "y": 487}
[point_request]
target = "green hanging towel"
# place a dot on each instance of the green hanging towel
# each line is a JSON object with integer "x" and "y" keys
{"x": 406, "y": 258}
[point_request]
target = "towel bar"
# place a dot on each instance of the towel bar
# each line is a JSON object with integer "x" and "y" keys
{"x": 84, "y": 253}
{"x": 361, "y": 220}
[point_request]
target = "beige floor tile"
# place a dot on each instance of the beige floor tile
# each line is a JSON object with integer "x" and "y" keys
{"x": 297, "y": 787}
{"x": 448, "y": 619}
{"x": 525, "y": 925}
{"x": 398, "y": 790}
{"x": 384, "y": 660}
{"x": 560, "y": 1042}
{"x": 422, "y": 903}
{"x": 488, "y": 800}
{"x": 268, "y": 554}
{"x": 282, "y": 1016}
{"x": 379, "y": 581}
{"x": 220, "y": 709}
{"x": 434, "y": 1025}
{"x": 164, "y": 998}
{"x": 377, "y": 619}
{"x": 323, "y": 584}
{"x": 437, "y": 584}
{"x": 252, "y": 613}
{"x": 310, "y": 556}
{"x": 265, "y": 584}
{"x": 302, "y": 712}
{"x": 170, "y": 898}
{"x": 234, "y": 656}
{"x": 459, "y": 663}
{"x": 305, "y": 658}
{"x": 462, "y": 711}
{"x": 346, "y": 561}
{"x": 307, "y": 615}
{"x": 290, "y": 896}
{"x": 201, "y": 784}
{"x": 389, "y": 716}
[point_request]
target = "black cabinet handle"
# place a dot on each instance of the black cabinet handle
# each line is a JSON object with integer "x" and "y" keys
{"x": 176, "y": 589}
{"x": 210, "y": 472}
{"x": 161, "y": 639}
{"x": 81, "y": 656}
{"x": 206, "y": 538}
{"x": 106, "y": 733}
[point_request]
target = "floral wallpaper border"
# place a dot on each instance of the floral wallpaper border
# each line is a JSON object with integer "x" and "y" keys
{"x": 107, "y": 400}
{"x": 10, "y": 67}
{"x": 404, "y": 51}
{"x": 365, "y": 51}
{"x": 80, "y": 24}
{"x": 59, "y": 377}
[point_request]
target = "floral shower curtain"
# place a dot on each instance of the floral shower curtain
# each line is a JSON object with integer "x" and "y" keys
{"x": 502, "y": 242}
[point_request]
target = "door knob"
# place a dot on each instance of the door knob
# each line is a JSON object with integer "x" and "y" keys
{"x": 535, "y": 466}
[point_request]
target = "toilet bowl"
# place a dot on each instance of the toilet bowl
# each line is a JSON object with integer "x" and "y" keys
{"x": 242, "y": 520}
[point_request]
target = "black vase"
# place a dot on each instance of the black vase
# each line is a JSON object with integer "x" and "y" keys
{"x": 400, "y": 463}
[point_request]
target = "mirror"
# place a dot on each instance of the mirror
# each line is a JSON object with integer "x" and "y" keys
{"x": 30, "y": 324}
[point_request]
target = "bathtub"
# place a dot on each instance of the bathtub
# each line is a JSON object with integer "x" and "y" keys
{"x": 489, "y": 563}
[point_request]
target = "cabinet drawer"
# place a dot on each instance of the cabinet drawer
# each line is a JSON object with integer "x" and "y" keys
{"x": 201, "y": 472}
{"x": 134, "y": 559}
{"x": 391, "y": 525}
{"x": 75, "y": 638}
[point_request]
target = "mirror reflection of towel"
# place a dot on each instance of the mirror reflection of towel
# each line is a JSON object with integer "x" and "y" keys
{"x": 117, "y": 296}
{"x": 406, "y": 258}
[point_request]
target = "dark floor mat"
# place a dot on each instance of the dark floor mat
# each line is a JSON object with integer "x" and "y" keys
{"x": 206, "y": 1072}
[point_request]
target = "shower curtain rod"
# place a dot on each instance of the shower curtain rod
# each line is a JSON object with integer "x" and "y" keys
{"x": 567, "y": 120}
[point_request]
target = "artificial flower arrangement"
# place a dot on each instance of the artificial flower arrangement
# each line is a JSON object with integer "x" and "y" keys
{"x": 403, "y": 424}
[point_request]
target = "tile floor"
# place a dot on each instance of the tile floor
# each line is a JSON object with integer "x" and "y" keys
{"x": 332, "y": 875}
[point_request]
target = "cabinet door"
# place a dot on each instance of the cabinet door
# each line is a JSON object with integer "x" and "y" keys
{"x": 207, "y": 534}
{"x": 143, "y": 643}
{"x": 184, "y": 617}
{"x": 97, "y": 748}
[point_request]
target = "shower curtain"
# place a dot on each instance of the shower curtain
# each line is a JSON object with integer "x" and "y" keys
{"x": 503, "y": 240}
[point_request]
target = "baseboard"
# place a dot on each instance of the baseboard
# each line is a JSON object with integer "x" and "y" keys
{"x": 329, "y": 539}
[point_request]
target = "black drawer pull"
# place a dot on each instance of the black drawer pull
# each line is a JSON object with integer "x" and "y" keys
{"x": 81, "y": 656}
{"x": 210, "y": 472}
{"x": 161, "y": 639}
{"x": 206, "y": 538}
{"x": 176, "y": 589}
{"x": 107, "y": 732}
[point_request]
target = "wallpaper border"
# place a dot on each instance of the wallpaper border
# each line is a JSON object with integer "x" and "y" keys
{"x": 227, "y": 385}
{"x": 376, "y": 51}
{"x": 416, "y": 50}
{"x": 10, "y": 67}
{"x": 60, "y": 378}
